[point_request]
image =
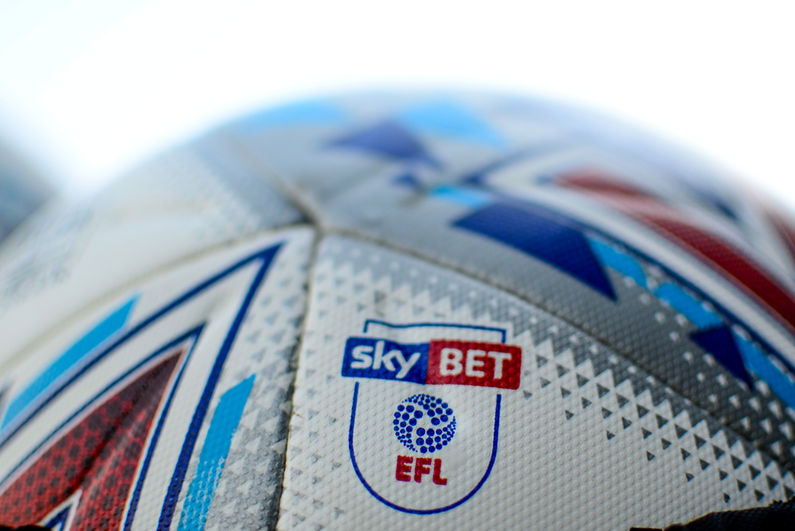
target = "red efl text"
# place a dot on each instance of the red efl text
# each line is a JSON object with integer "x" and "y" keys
{"x": 421, "y": 467}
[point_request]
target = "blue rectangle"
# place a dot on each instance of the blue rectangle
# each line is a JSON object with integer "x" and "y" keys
{"x": 688, "y": 306}
{"x": 213, "y": 456}
{"x": 461, "y": 196}
{"x": 369, "y": 357}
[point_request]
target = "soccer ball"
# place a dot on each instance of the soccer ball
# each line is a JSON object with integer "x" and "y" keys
{"x": 401, "y": 311}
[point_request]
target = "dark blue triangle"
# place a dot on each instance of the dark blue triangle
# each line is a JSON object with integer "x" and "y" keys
{"x": 723, "y": 207}
{"x": 720, "y": 343}
{"x": 478, "y": 177}
{"x": 388, "y": 139}
{"x": 58, "y": 522}
{"x": 543, "y": 236}
{"x": 713, "y": 200}
{"x": 409, "y": 180}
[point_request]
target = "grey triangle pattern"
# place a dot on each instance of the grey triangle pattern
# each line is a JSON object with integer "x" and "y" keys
{"x": 747, "y": 413}
{"x": 249, "y": 489}
{"x": 688, "y": 441}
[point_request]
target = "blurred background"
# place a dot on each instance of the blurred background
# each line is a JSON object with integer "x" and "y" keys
{"x": 90, "y": 87}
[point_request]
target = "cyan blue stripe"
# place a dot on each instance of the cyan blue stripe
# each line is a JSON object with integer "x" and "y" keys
{"x": 73, "y": 355}
{"x": 213, "y": 456}
{"x": 758, "y": 363}
{"x": 688, "y": 306}
{"x": 460, "y": 196}
{"x": 300, "y": 113}
{"x": 624, "y": 264}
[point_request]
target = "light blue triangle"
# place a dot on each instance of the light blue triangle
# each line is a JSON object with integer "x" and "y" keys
{"x": 460, "y": 196}
{"x": 450, "y": 119}
{"x": 623, "y": 263}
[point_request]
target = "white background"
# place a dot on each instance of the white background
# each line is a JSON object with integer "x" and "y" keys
{"x": 89, "y": 87}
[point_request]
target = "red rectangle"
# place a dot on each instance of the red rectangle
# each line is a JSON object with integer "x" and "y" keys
{"x": 474, "y": 363}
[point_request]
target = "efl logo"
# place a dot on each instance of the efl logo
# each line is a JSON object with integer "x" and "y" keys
{"x": 423, "y": 424}
{"x": 439, "y": 362}
{"x": 446, "y": 441}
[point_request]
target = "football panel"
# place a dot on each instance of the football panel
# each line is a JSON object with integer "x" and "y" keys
{"x": 178, "y": 415}
{"x": 400, "y": 404}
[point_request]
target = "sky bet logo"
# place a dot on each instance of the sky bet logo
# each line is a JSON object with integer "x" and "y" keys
{"x": 439, "y": 362}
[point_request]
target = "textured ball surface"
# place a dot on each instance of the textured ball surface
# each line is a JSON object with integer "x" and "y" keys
{"x": 401, "y": 311}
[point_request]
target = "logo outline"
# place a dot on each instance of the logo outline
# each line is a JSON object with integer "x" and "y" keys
{"x": 467, "y": 497}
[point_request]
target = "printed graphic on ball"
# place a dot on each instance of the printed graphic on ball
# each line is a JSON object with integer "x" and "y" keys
{"x": 423, "y": 439}
{"x": 424, "y": 423}
{"x": 435, "y": 362}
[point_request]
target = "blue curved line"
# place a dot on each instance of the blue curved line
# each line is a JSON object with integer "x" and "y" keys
{"x": 502, "y": 331}
{"x": 427, "y": 511}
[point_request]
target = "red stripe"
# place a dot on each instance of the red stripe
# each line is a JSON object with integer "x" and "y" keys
{"x": 784, "y": 227}
{"x": 674, "y": 225}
